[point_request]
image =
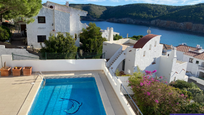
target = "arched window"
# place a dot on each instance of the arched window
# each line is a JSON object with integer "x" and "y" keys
{"x": 51, "y": 7}
{"x": 155, "y": 43}
{"x": 150, "y": 46}
{"x": 144, "y": 53}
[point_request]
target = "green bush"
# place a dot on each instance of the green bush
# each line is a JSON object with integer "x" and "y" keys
{"x": 8, "y": 30}
{"x": 192, "y": 108}
{"x": 136, "y": 37}
{"x": 117, "y": 37}
{"x": 197, "y": 94}
{"x": 183, "y": 84}
{"x": 4, "y": 35}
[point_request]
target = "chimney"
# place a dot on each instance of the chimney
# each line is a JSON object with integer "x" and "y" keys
{"x": 108, "y": 28}
{"x": 110, "y": 38}
{"x": 67, "y": 3}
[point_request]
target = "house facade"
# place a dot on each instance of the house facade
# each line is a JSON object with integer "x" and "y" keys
{"x": 195, "y": 58}
{"x": 54, "y": 18}
{"x": 127, "y": 55}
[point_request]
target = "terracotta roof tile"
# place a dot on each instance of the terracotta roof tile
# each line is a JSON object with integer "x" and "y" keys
{"x": 141, "y": 42}
{"x": 185, "y": 49}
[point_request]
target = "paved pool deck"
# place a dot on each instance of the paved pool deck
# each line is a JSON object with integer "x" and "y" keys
{"x": 17, "y": 93}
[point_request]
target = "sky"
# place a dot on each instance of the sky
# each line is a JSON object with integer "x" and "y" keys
{"x": 123, "y": 2}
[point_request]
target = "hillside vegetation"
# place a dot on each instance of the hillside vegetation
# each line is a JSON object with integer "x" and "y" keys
{"x": 145, "y": 12}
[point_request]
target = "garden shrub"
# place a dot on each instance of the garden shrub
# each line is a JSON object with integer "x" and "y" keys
{"x": 198, "y": 95}
{"x": 192, "y": 108}
{"x": 155, "y": 97}
{"x": 183, "y": 84}
{"x": 4, "y": 35}
{"x": 8, "y": 30}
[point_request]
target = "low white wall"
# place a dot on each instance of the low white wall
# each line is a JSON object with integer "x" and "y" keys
{"x": 110, "y": 49}
{"x": 116, "y": 85}
{"x": 132, "y": 41}
{"x": 125, "y": 82}
{"x": 198, "y": 80}
{"x": 56, "y": 65}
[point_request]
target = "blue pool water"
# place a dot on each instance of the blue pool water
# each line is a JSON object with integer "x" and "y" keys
{"x": 68, "y": 96}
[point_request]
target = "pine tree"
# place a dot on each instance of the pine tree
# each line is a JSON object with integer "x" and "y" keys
{"x": 92, "y": 40}
{"x": 14, "y": 8}
{"x": 60, "y": 47}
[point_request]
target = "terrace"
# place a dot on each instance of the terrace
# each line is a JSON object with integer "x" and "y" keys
{"x": 18, "y": 93}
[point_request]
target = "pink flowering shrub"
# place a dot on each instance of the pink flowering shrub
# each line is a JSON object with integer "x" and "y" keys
{"x": 154, "y": 97}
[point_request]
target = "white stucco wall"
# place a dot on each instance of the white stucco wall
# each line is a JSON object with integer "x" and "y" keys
{"x": 192, "y": 67}
{"x": 109, "y": 49}
{"x": 171, "y": 69}
{"x": 62, "y": 21}
{"x": 35, "y": 28}
{"x": 17, "y": 51}
{"x": 180, "y": 55}
{"x": 145, "y": 62}
{"x": 130, "y": 60}
{"x": 63, "y": 18}
{"x": 56, "y": 65}
{"x": 178, "y": 71}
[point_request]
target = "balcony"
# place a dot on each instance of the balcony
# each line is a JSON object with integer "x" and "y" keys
{"x": 201, "y": 68}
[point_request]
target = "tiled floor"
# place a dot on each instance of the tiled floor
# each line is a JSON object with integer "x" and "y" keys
{"x": 14, "y": 91}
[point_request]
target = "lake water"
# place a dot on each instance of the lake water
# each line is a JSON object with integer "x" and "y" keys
{"x": 168, "y": 36}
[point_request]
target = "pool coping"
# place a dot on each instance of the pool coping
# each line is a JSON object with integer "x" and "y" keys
{"x": 24, "y": 110}
{"x": 104, "y": 97}
{"x": 31, "y": 97}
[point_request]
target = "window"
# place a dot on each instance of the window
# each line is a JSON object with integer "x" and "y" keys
{"x": 41, "y": 38}
{"x": 41, "y": 19}
{"x": 144, "y": 53}
{"x": 197, "y": 62}
{"x": 150, "y": 46}
{"x": 155, "y": 44}
{"x": 168, "y": 55}
{"x": 191, "y": 60}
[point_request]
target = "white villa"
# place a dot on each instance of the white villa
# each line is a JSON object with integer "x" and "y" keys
{"x": 195, "y": 58}
{"x": 126, "y": 55}
{"x": 54, "y": 18}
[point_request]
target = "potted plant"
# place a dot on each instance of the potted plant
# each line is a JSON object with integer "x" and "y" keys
{"x": 27, "y": 71}
{"x": 16, "y": 71}
{"x": 5, "y": 71}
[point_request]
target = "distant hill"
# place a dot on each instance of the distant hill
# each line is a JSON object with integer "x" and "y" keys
{"x": 144, "y": 12}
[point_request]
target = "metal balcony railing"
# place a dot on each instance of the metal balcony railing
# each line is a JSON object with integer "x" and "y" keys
{"x": 201, "y": 67}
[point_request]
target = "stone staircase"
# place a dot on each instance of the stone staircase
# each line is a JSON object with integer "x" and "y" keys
{"x": 116, "y": 58}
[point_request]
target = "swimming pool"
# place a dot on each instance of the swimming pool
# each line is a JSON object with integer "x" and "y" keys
{"x": 68, "y": 96}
